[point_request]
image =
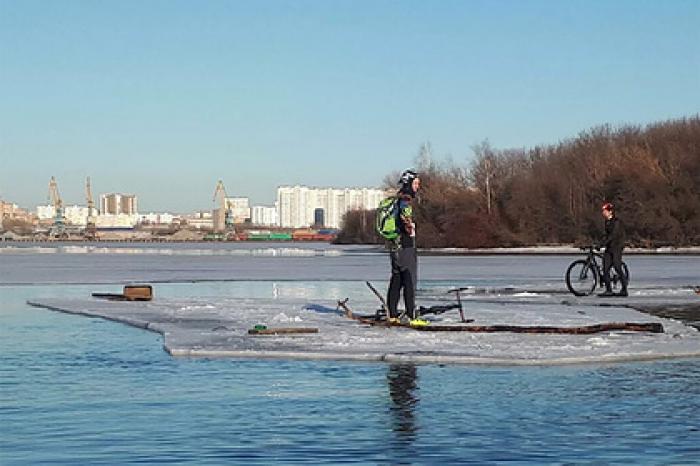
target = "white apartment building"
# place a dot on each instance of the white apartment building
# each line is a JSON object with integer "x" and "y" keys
{"x": 262, "y": 215}
{"x": 115, "y": 204}
{"x": 45, "y": 212}
{"x": 155, "y": 218}
{"x": 200, "y": 220}
{"x": 75, "y": 215}
{"x": 296, "y": 204}
{"x": 240, "y": 208}
{"x": 122, "y": 221}
{"x": 11, "y": 210}
{"x": 72, "y": 215}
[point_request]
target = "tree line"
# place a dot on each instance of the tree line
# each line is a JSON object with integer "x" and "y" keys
{"x": 552, "y": 194}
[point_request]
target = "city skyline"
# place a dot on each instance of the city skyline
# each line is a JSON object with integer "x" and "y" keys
{"x": 297, "y": 207}
{"x": 163, "y": 98}
{"x": 212, "y": 202}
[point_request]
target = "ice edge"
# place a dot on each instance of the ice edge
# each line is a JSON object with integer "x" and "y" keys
{"x": 369, "y": 357}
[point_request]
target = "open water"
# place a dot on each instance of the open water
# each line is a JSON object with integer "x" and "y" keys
{"x": 75, "y": 390}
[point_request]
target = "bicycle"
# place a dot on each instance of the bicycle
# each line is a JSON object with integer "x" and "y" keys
{"x": 583, "y": 275}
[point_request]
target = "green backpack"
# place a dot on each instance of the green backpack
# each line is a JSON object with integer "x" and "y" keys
{"x": 387, "y": 218}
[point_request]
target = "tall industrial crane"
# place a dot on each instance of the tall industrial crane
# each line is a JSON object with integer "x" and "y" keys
{"x": 223, "y": 207}
{"x": 58, "y": 229}
{"x": 90, "y": 228}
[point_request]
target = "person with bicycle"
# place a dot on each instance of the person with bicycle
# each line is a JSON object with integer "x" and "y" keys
{"x": 614, "y": 243}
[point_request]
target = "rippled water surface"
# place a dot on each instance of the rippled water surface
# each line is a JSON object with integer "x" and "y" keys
{"x": 75, "y": 390}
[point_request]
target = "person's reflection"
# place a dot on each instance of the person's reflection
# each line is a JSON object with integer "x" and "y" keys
{"x": 402, "y": 388}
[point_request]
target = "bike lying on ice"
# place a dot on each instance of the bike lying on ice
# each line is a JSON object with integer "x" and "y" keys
{"x": 583, "y": 275}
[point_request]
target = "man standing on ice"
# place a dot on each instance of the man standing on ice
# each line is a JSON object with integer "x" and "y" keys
{"x": 402, "y": 251}
{"x": 614, "y": 242}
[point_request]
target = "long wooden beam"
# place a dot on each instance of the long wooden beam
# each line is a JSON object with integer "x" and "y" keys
{"x": 652, "y": 327}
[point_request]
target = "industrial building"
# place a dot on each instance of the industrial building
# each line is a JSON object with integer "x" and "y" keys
{"x": 115, "y": 204}
{"x": 240, "y": 208}
{"x": 157, "y": 218}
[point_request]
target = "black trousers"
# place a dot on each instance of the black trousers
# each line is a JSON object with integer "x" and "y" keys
{"x": 612, "y": 257}
{"x": 404, "y": 276}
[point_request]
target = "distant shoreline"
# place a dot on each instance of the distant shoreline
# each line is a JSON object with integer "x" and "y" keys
{"x": 563, "y": 250}
{"x": 554, "y": 251}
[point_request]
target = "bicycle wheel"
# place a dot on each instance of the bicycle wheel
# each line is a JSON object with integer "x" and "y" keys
{"x": 615, "y": 278}
{"x": 581, "y": 278}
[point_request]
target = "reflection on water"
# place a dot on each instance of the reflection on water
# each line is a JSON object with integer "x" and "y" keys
{"x": 403, "y": 388}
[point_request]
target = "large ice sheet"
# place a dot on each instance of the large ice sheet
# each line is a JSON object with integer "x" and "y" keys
{"x": 217, "y": 327}
{"x": 279, "y": 285}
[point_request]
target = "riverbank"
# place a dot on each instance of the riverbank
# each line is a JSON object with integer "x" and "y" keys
{"x": 97, "y": 246}
{"x": 556, "y": 250}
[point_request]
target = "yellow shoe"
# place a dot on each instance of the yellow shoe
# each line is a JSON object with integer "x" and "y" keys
{"x": 419, "y": 323}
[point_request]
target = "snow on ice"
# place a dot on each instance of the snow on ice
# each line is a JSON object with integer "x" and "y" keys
{"x": 218, "y": 327}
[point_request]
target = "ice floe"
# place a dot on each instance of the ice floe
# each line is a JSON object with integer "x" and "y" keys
{"x": 218, "y": 327}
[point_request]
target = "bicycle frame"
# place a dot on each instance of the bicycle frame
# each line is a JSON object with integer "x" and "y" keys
{"x": 591, "y": 269}
{"x": 591, "y": 259}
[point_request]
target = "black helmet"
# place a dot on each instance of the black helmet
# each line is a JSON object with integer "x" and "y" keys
{"x": 407, "y": 177}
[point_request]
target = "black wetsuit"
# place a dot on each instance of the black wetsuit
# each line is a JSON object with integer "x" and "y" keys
{"x": 614, "y": 243}
{"x": 404, "y": 263}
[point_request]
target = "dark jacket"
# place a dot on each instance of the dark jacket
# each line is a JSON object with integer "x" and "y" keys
{"x": 614, "y": 234}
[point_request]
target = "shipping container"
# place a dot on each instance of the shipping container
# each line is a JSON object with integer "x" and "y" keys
{"x": 303, "y": 235}
{"x": 280, "y": 236}
{"x": 259, "y": 237}
{"x": 328, "y": 231}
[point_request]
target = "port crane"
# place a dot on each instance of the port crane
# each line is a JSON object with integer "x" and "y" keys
{"x": 90, "y": 227}
{"x": 223, "y": 207}
{"x": 58, "y": 229}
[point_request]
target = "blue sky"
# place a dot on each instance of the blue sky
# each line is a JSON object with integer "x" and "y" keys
{"x": 163, "y": 98}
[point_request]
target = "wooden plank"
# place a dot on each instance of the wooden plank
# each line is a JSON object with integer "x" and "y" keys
{"x": 138, "y": 292}
{"x": 282, "y": 330}
{"x": 131, "y": 293}
{"x": 583, "y": 330}
{"x": 110, "y": 296}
